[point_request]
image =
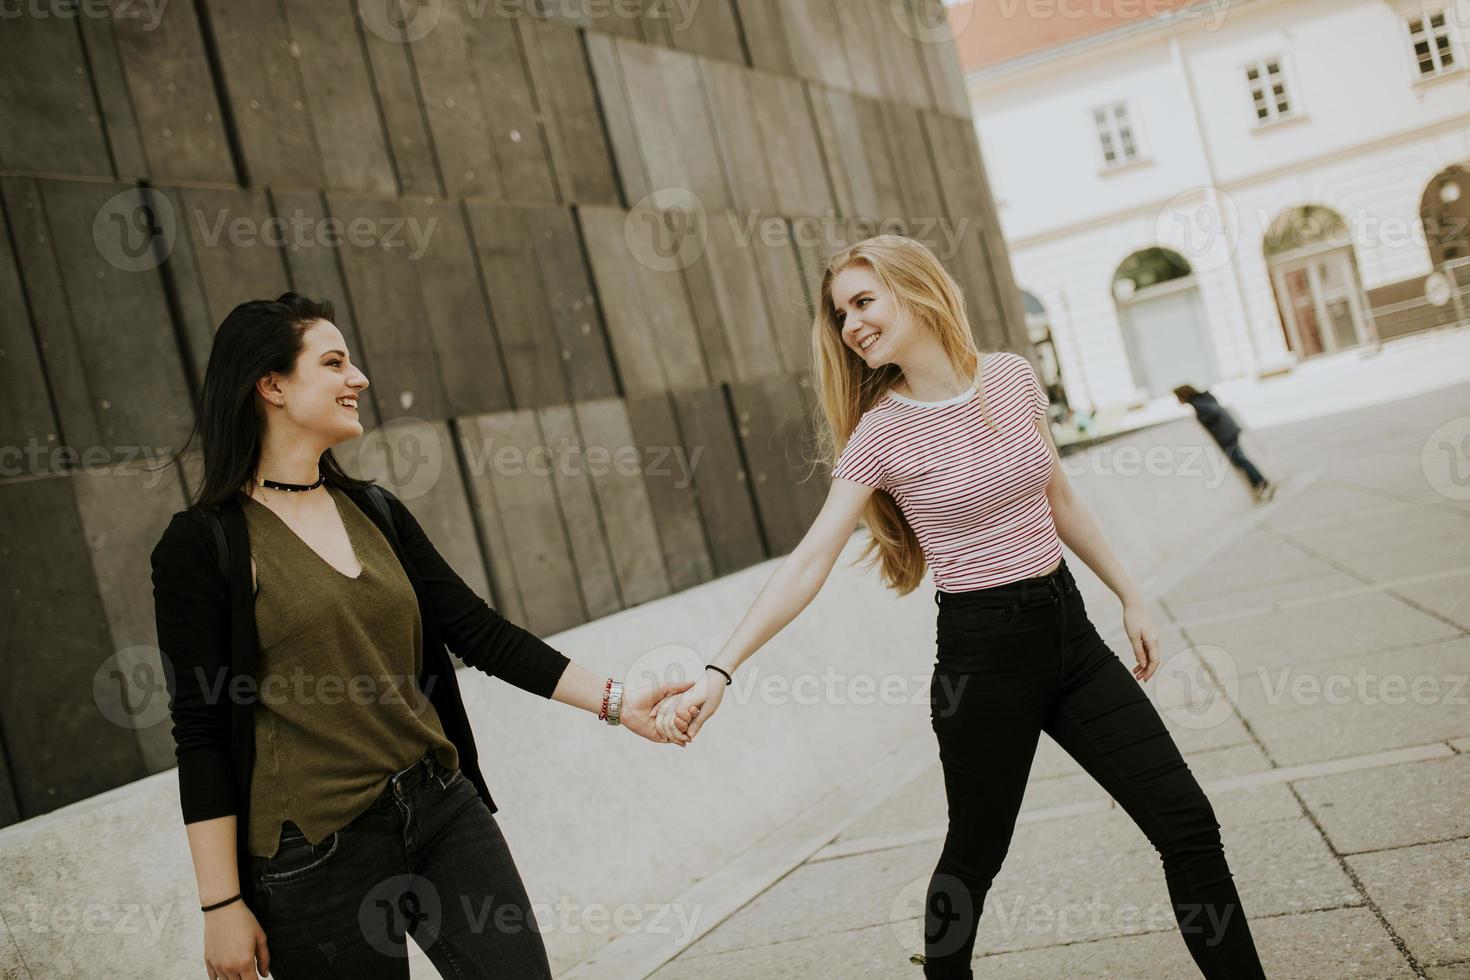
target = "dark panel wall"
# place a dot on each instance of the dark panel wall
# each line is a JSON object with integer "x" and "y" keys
{"x": 575, "y": 254}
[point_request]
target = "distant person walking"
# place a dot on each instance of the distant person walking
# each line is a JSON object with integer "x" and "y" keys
{"x": 1223, "y": 428}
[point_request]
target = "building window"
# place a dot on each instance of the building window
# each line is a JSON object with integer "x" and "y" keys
{"x": 1269, "y": 90}
{"x": 1115, "y": 131}
{"x": 1429, "y": 35}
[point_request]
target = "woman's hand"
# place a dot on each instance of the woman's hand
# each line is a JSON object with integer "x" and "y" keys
{"x": 234, "y": 943}
{"x": 1145, "y": 640}
{"x": 640, "y": 704}
{"x": 688, "y": 712}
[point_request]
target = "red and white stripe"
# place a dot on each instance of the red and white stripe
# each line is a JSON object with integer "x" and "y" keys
{"x": 975, "y": 498}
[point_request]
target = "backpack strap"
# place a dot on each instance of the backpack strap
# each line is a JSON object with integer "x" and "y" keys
{"x": 379, "y": 497}
{"x": 222, "y": 545}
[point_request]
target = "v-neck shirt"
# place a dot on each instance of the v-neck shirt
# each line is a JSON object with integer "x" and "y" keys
{"x": 339, "y": 661}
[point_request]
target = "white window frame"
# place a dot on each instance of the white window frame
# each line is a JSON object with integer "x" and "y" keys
{"x": 1114, "y": 130}
{"x": 1288, "y": 83}
{"x": 1423, "y": 12}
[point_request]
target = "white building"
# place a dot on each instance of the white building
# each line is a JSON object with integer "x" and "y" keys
{"x": 1206, "y": 191}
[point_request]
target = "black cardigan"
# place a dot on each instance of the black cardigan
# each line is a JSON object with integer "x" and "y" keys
{"x": 206, "y": 634}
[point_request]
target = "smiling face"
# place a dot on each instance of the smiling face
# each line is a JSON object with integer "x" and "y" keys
{"x": 872, "y": 325}
{"x": 320, "y": 395}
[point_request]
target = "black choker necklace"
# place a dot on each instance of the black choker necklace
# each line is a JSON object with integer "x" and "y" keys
{"x": 292, "y": 487}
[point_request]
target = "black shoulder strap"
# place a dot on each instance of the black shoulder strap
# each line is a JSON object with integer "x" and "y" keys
{"x": 379, "y": 497}
{"x": 222, "y": 546}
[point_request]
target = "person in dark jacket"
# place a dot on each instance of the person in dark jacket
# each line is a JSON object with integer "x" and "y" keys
{"x": 328, "y": 777}
{"x": 1223, "y": 428}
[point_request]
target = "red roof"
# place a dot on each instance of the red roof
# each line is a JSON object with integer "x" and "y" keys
{"x": 988, "y": 32}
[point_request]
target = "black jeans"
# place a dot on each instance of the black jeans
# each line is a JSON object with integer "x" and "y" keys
{"x": 1022, "y": 658}
{"x": 426, "y": 859}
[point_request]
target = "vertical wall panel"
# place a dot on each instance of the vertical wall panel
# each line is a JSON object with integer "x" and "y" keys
{"x": 528, "y": 342}
{"x": 579, "y": 508}
{"x": 741, "y": 147}
{"x": 816, "y": 42}
{"x": 941, "y": 60}
{"x": 740, "y": 301}
{"x": 398, "y": 100}
{"x": 721, "y": 478}
{"x": 562, "y": 80}
{"x": 312, "y": 262}
{"x": 671, "y": 491}
{"x": 56, "y": 126}
{"x": 617, "y": 106}
{"x": 456, "y": 317}
{"x": 384, "y": 286}
{"x": 110, "y": 85}
{"x": 133, "y": 389}
{"x": 907, "y": 143}
{"x": 792, "y": 147}
{"x": 25, "y": 404}
{"x": 122, "y": 511}
{"x": 623, "y": 496}
{"x": 674, "y": 131}
{"x": 339, "y": 96}
{"x": 62, "y": 747}
{"x": 787, "y": 299}
{"x": 529, "y": 522}
{"x": 770, "y": 419}
{"x": 765, "y": 35}
{"x": 900, "y": 64}
{"x": 575, "y": 315}
{"x": 707, "y": 28}
{"x": 226, "y": 253}
{"x": 649, "y": 322}
{"x": 265, "y": 95}
{"x": 173, "y": 94}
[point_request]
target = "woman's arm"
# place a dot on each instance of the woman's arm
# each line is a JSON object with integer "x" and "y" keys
{"x": 790, "y": 589}
{"x": 191, "y": 609}
{"x": 1080, "y": 533}
{"x": 484, "y": 639}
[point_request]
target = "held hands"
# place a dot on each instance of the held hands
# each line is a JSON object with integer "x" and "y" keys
{"x": 640, "y": 705}
{"x": 1145, "y": 640}
{"x": 680, "y": 718}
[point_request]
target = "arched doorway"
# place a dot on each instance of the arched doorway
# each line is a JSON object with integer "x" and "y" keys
{"x": 1314, "y": 274}
{"x": 1163, "y": 322}
{"x": 1038, "y": 331}
{"x": 1445, "y": 212}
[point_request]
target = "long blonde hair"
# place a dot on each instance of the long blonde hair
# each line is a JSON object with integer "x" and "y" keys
{"x": 846, "y": 387}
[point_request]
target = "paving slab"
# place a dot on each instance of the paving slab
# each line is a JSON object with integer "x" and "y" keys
{"x": 1424, "y": 894}
{"x": 1350, "y": 807}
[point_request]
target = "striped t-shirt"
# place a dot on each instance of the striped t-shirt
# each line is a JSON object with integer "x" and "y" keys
{"x": 975, "y": 498}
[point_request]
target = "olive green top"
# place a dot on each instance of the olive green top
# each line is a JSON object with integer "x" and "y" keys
{"x": 340, "y": 709}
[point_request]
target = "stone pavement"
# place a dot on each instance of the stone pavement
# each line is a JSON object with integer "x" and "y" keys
{"x": 1328, "y": 722}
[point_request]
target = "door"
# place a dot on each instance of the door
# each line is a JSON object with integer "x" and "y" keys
{"x": 1167, "y": 339}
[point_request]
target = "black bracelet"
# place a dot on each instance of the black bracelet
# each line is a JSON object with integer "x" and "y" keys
{"x": 206, "y": 908}
{"x": 728, "y": 679}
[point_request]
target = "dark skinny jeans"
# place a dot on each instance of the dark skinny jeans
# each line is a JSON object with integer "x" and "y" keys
{"x": 1032, "y": 661}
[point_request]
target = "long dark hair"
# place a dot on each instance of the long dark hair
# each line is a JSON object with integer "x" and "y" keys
{"x": 258, "y": 337}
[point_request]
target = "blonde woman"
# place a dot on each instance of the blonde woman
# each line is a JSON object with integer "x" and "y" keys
{"x": 945, "y": 455}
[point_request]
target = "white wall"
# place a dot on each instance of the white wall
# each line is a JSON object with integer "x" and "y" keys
{"x": 1370, "y": 139}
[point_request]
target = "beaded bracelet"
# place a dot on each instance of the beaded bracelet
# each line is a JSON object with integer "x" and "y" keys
{"x": 606, "y": 697}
